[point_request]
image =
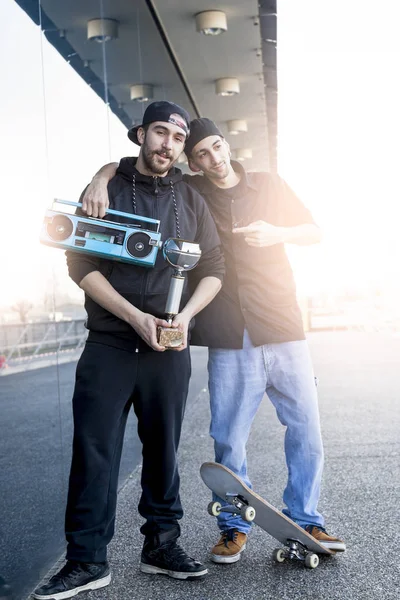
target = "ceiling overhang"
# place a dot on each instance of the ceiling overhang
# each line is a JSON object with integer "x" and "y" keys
{"x": 158, "y": 44}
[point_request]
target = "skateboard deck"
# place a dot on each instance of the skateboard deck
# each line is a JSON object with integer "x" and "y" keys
{"x": 229, "y": 487}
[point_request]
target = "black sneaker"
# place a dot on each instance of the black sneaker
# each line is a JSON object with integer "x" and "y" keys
{"x": 166, "y": 557}
{"x": 74, "y": 578}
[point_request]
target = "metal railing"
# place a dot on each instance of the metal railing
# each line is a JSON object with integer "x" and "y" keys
{"x": 33, "y": 340}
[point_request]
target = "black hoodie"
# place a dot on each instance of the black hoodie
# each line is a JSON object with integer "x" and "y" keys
{"x": 147, "y": 288}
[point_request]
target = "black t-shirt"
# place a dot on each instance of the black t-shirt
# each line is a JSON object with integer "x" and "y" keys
{"x": 222, "y": 216}
{"x": 259, "y": 291}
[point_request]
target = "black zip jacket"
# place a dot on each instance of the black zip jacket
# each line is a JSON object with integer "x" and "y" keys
{"x": 147, "y": 287}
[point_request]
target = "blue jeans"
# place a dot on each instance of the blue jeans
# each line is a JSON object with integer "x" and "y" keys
{"x": 238, "y": 380}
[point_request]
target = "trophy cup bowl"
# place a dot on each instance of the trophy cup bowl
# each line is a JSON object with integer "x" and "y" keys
{"x": 183, "y": 256}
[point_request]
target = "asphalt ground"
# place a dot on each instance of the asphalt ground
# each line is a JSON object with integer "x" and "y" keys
{"x": 359, "y": 380}
{"x": 360, "y": 411}
{"x": 35, "y": 454}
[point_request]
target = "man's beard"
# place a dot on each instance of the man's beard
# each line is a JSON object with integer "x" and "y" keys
{"x": 150, "y": 161}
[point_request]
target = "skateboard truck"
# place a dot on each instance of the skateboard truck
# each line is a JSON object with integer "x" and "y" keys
{"x": 238, "y": 506}
{"x": 295, "y": 550}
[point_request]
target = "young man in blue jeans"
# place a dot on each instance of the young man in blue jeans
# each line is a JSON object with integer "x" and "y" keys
{"x": 253, "y": 328}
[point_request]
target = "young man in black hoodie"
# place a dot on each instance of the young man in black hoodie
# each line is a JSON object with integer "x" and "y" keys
{"x": 123, "y": 365}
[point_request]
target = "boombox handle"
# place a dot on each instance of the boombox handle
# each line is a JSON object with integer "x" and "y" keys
{"x": 118, "y": 213}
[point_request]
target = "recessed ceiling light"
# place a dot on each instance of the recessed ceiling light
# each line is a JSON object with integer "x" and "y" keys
{"x": 102, "y": 30}
{"x": 211, "y": 22}
{"x": 141, "y": 92}
{"x": 236, "y": 126}
{"x": 228, "y": 86}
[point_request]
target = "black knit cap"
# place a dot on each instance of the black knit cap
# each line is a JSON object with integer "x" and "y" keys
{"x": 200, "y": 129}
{"x": 162, "y": 111}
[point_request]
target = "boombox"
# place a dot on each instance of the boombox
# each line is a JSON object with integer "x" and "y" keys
{"x": 137, "y": 242}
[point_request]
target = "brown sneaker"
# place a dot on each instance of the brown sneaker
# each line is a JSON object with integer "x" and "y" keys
{"x": 325, "y": 539}
{"x": 229, "y": 547}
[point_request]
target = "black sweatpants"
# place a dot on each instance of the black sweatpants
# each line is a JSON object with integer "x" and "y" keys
{"x": 108, "y": 381}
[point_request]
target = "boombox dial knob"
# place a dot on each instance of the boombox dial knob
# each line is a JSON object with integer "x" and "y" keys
{"x": 60, "y": 228}
{"x": 138, "y": 245}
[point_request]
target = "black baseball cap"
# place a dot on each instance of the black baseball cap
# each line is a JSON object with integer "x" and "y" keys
{"x": 200, "y": 129}
{"x": 162, "y": 111}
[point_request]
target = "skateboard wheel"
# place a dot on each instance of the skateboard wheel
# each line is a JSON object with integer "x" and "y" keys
{"x": 214, "y": 508}
{"x": 247, "y": 513}
{"x": 278, "y": 555}
{"x": 311, "y": 560}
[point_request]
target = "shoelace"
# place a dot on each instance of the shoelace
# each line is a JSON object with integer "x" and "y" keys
{"x": 229, "y": 536}
{"x": 174, "y": 554}
{"x": 70, "y": 570}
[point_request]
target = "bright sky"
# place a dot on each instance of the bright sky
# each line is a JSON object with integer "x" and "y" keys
{"x": 339, "y": 131}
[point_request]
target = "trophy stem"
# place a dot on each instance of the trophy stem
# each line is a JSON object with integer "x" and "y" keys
{"x": 182, "y": 255}
{"x": 174, "y": 295}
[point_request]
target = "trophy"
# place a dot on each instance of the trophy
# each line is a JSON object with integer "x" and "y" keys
{"x": 182, "y": 256}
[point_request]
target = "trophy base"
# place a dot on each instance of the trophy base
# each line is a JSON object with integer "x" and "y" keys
{"x": 169, "y": 337}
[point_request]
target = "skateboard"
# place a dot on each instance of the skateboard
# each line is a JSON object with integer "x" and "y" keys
{"x": 298, "y": 544}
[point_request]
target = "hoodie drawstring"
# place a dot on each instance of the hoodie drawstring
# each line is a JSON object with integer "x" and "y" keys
{"x": 134, "y": 194}
{"x": 178, "y": 229}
